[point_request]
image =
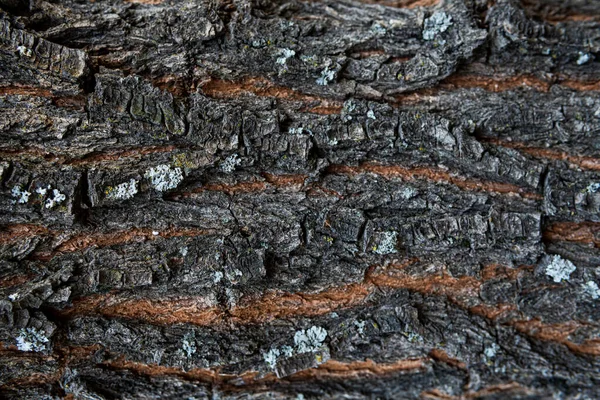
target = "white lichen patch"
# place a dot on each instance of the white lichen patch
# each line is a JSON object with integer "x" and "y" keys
{"x": 378, "y": 29}
{"x": 583, "y": 58}
{"x": 310, "y": 339}
{"x": 295, "y": 131}
{"x": 407, "y": 192}
{"x": 349, "y": 107}
{"x": 593, "y": 188}
{"x": 591, "y": 289}
{"x": 306, "y": 341}
{"x": 360, "y": 326}
{"x": 122, "y": 191}
{"x": 233, "y": 276}
{"x": 229, "y": 164}
{"x": 163, "y": 177}
{"x": 42, "y": 190}
{"x": 559, "y": 269}
{"x": 371, "y": 114}
{"x": 188, "y": 344}
{"x": 271, "y": 357}
{"x": 414, "y": 337}
{"x": 327, "y": 76}
{"x": 285, "y": 54}
{"x": 24, "y": 51}
{"x": 13, "y": 297}
{"x": 217, "y": 276}
{"x": 57, "y": 198}
{"x": 183, "y": 251}
{"x": 31, "y": 339}
{"x": 387, "y": 243}
{"x": 439, "y": 22}
{"x": 287, "y": 351}
{"x": 21, "y": 195}
{"x": 69, "y": 382}
{"x": 490, "y": 352}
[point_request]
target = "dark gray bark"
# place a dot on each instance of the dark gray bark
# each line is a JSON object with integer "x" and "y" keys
{"x": 290, "y": 199}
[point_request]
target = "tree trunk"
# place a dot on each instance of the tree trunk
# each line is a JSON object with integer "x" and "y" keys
{"x": 290, "y": 199}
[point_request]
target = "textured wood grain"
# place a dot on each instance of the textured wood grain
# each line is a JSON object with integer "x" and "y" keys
{"x": 388, "y": 199}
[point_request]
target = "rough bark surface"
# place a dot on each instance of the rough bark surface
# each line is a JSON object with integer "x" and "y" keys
{"x": 235, "y": 199}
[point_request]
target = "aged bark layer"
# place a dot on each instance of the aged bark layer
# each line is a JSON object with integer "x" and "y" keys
{"x": 293, "y": 199}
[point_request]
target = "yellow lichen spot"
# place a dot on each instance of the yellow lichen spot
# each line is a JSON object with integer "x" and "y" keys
{"x": 181, "y": 160}
{"x": 319, "y": 358}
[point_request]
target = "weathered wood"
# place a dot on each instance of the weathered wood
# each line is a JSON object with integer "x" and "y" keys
{"x": 293, "y": 199}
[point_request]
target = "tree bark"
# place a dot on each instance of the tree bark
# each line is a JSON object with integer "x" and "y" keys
{"x": 290, "y": 199}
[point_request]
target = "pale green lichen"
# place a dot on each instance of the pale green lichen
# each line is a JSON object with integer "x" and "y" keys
{"x": 31, "y": 339}
{"x": 285, "y": 54}
{"x": 229, "y": 164}
{"x": 438, "y": 22}
{"x": 57, "y": 198}
{"x": 591, "y": 289}
{"x": 310, "y": 339}
{"x": 21, "y": 195}
{"x": 387, "y": 243}
{"x": 123, "y": 191}
{"x": 163, "y": 177}
{"x": 327, "y": 76}
{"x": 188, "y": 343}
{"x": 583, "y": 58}
{"x": 558, "y": 268}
